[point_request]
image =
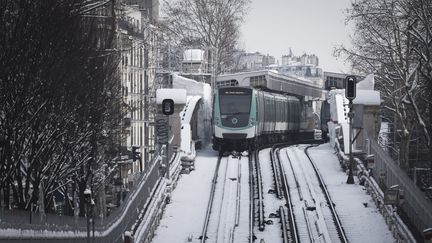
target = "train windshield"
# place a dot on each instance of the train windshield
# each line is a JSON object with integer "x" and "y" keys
{"x": 235, "y": 102}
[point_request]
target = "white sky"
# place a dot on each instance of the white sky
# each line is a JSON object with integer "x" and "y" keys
{"x": 311, "y": 26}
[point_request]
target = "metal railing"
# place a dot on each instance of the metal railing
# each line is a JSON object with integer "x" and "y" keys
{"x": 396, "y": 225}
{"x": 386, "y": 172}
{"x": 55, "y": 228}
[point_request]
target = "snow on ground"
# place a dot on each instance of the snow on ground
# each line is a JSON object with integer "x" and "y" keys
{"x": 184, "y": 216}
{"x": 217, "y": 224}
{"x": 241, "y": 232}
{"x": 361, "y": 219}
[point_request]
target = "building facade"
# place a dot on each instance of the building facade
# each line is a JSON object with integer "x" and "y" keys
{"x": 253, "y": 61}
{"x": 137, "y": 41}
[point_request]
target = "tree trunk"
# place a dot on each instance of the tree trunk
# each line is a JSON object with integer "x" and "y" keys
{"x": 81, "y": 188}
{"x": 404, "y": 153}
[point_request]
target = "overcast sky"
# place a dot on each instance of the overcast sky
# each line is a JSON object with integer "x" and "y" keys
{"x": 307, "y": 26}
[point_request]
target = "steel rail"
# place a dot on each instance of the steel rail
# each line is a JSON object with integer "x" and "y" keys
{"x": 203, "y": 236}
{"x": 291, "y": 219}
{"x": 284, "y": 222}
{"x": 238, "y": 195}
{"x": 299, "y": 190}
{"x": 308, "y": 226}
{"x": 261, "y": 223}
{"x": 251, "y": 198}
{"x": 338, "y": 224}
{"x": 276, "y": 172}
{"x": 237, "y": 218}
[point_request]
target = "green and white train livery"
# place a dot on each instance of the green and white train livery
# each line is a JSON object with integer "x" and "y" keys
{"x": 244, "y": 117}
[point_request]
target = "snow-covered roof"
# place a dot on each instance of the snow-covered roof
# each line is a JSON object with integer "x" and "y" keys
{"x": 363, "y": 97}
{"x": 191, "y": 86}
{"x": 177, "y": 95}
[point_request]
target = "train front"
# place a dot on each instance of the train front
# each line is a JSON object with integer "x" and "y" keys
{"x": 234, "y": 118}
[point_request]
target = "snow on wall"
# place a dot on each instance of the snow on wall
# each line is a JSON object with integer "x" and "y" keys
{"x": 186, "y": 114}
{"x": 367, "y": 84}
{"x": 203, "y": 90}
{"x": 365, "y": 95}
{"x": 186, "y": 145}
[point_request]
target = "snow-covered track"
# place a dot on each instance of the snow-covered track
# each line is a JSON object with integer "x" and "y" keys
{"x": 259, "y": 190}
{"x": 289, "y": 228}
{"x": 274, "y": 220}
{"x": 338, "y": 224}
{"x": 203, "y": 236}
{"x": 313, "y": 207}
{"x": 251, "y": 236}
{"x": 223, "y": 210}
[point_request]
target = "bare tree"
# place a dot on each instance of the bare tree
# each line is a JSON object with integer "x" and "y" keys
{"x": 61, "y": 98}
{"x": 390, "y": 42}
{"x": 207, "y": 23}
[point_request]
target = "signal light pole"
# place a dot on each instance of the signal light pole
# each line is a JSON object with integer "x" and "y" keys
{"x": 350, "y": 94}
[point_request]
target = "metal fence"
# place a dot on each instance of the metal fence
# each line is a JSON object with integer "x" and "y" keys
{"x": 55, "y": 228}
{"x": 386, "y": 172}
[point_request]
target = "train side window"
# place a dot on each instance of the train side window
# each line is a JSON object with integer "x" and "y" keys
{"x": 292, "y": 112}
{"x": 273, "y": 110}
{"x": 282, "y": 105}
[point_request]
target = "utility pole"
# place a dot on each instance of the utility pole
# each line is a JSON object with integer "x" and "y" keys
{"x": 350, "y": 94}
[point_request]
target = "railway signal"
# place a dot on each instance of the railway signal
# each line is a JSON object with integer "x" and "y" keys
{"x": 350, "y": 87}
{"x": 168, "y": 107}
{"x": 350, "y": 94}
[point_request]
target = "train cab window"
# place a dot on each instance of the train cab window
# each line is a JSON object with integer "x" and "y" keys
{"x": 235, "y": 102}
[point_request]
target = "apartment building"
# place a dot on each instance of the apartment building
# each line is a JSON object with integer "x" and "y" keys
{"x": 137, "y": 41}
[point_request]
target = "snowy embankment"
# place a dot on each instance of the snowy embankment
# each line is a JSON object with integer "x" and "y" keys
{"x": 360, "y": 217}
{"x": 184, "y": 216}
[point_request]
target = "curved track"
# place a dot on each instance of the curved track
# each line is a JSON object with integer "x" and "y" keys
{"x": 313, "y": 206}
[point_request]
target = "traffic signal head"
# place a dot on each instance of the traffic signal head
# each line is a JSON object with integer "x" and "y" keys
{"x": 350, "y": 87}
{"x": 167, "y": 106}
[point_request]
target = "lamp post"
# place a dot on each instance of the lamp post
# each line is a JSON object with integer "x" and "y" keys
{"x": 87, "y": 196}
{"x": 92, "y": 203}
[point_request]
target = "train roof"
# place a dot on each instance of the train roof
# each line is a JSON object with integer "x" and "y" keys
{"x": 273, "y": 81}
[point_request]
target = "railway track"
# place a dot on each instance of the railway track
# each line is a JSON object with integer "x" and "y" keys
{"x": 226, "y": 202}
{"x": 283, "y": 199}
{"x": 312, "y": 206}
{"x": 274, "y": 220}
{"x": 289, "y": 228}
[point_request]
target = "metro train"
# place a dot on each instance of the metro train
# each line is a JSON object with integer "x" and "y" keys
{"x": 244, "y": 118}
